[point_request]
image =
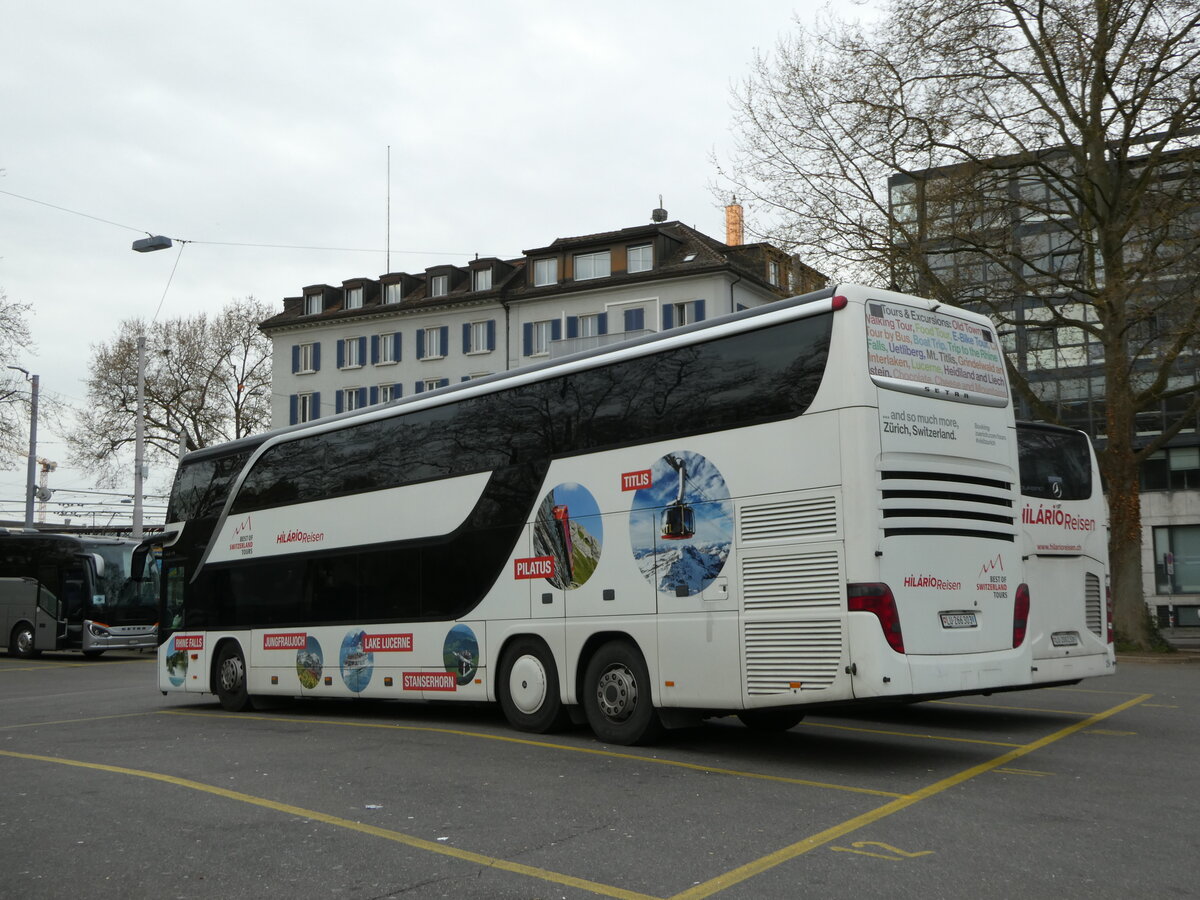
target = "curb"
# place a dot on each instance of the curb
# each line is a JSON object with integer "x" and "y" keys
{"x": 1178, "y": 658}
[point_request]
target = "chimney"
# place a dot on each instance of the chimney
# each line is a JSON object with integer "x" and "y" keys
{"x": 733, "y": 224}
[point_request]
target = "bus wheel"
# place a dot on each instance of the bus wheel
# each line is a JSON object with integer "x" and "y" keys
{"x": 774, "y": 721}
{"x": 20, "y": 644}
{"x": 528, "y": 688}
{"x": 232, "y": 690}
{"x": 616, "y": 696}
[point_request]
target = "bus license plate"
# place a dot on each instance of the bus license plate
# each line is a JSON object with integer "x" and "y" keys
{"x": 1064, "y": 639}
{"x": 959, "y": 620}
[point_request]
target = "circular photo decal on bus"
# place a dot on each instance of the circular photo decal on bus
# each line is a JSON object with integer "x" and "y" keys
{"x": 681, "y": 525}
{"x": 568, "y": 528}
{"x": 356, "y": 663}
{"x": 310, "y": 663}
{"x": 460, "y": 653}
{"x": 177, "y": 664}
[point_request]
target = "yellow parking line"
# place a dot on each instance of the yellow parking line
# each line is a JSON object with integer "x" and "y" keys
{"x": 73, "y": 721}
{"x": 548, "y": 745}
{"x": 481, "y": 859}
{"x": 63, "y": 664}
{"x": 758, "y": 866}
{"x": 908, "y": 734}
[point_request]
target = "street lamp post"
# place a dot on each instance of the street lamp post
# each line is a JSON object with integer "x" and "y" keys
{"x": 148, "y": 244}
{"x": 31, "y": 476}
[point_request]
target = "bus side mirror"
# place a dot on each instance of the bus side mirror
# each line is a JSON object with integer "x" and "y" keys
{"x": 98, "y": 564}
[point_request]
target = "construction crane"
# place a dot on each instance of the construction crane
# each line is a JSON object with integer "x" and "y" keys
{"x": 42, "y": 492}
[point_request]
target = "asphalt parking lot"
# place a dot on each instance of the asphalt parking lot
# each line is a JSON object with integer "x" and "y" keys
{"x": 113, "y": 790}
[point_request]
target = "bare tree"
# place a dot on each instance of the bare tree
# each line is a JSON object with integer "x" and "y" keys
{"x": 207, "y": 380}
{"x": 1037, "y": 158}
{"x": 15, "y": 342}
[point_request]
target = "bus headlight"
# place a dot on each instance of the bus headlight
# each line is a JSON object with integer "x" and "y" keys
{"x": 98, "y": 629}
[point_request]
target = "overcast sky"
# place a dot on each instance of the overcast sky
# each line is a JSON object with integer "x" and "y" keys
{"x": 268, "y": 123}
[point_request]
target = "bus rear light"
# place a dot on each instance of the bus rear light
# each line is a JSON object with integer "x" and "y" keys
{"x": 1020, "y": 615}
{"x": 878, "y": 599}
{"x": 1108, "y": 611}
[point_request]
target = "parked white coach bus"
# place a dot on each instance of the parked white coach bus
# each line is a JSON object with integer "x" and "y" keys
{"x": 1064, "y": 534}
{"x": 812, "y": 501}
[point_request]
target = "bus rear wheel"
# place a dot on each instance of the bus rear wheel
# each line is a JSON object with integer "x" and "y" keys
{"x": 773, "y": 721}
{"x": 616, "y": 696}
{"x": 20, "y": 643}
{"x": 528, "y": 688}
{"x": 231, "y": 686}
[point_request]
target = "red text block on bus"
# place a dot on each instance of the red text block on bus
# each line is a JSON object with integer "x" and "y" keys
{"x": 429, "y": 681}
{"x": 387, "y": 643}
{"x": 292, "y": 640}
{"x": 635, "y": 481}
{"x": 534, "y": 567}
{"x": 189, "y": 642}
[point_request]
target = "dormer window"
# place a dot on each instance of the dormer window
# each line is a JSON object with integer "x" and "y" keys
{"x": 773, "y": 272}
{"x": 354, "y": 298}
{"x": 439, "y": 285}
{"x": 481, "y": 279}
{"x": 313, "y": 305}
{"x": 641, "y": 258}
{"x": 393, "y": 293}
{"x": 593, "y": 265}
{"x": 545, "y": 271}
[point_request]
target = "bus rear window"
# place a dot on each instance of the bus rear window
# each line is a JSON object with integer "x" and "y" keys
{"x": 1055, "y": 464}
{"x": 925, "y": 352}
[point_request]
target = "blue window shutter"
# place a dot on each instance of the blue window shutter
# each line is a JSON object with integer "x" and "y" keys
{"x": 443, "y": 382}
{"x": 635, "y": 319}
{"x": 420, "y": 343}
{"x": 445, "y": 340}
{"x": 341, "y": 354}
{"x": 602, "y": 323}
{"x": 466, "y": 337}
{"x": 316, "y": 404}
{"x": 465, "y": 378}
{"x": 668, "y": 313}
{"x": 374, "y": 398}
{"x": 572, "y": 326}
{"x": 293, "y": 409}
{"x": 317, "y": 357}
{"x": 700, "y": 310}
{"x": 337, "y": 402}
{"x": 396, "y": 347}
{"x": 527, "y": 338}
{"x": 741, "y": 306}
{"x": 419, "y": 387}
{"x": 397, "y": 390}
{"x": 556, "y": 330}
{"x": 362, "y": 397}
{"x": 295, "y": 360}
{"x": 362, "y": 350}
{"x": 374, "y": 349}
{"x": 491, "y": 334}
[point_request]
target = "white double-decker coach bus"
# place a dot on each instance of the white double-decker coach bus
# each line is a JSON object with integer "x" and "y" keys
{"x": 812, "y": 501}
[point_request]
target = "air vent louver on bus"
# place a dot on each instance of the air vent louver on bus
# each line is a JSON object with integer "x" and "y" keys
{"x": 784, "y": 657}
{"x": 789, "y": 520}
{"x": 1093, "y": 604}
{"x": 803, "y": 581}
{"x": 946, "y": 503}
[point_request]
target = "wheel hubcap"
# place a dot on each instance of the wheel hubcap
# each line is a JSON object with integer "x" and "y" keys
{"x": 617, "y": 693}
{"x": 24, "y": 641}
{"x": 527, "y": 684}
{"x": 232, "y": 674}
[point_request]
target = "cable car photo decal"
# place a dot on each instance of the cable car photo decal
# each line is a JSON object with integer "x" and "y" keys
{"x": 681, "y": 526}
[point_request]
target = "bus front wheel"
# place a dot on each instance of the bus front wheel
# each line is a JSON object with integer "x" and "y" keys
{"x": 616, "y": 696}
{"x": 528, "y": 688}
{"x": 231, "y": 686}
{"x": 20, "y": 643}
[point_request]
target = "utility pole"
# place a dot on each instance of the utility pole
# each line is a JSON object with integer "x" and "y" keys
{"x": 139, "y": 443}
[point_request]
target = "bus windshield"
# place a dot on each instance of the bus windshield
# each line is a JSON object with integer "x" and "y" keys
{"x": 118, "y": 597}
{"x": 1055, "y": 464}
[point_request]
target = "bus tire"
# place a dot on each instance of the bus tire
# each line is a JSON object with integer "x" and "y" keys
{"x": 528, "y": 688}
{"x": 770, "y": 721}
{"x": 230, "y": 676}
{"x": 20, "y": 643}
{"x": 616, "y": 696}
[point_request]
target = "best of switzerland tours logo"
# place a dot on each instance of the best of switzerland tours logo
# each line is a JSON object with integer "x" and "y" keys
{"x": 243, "y": 538}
